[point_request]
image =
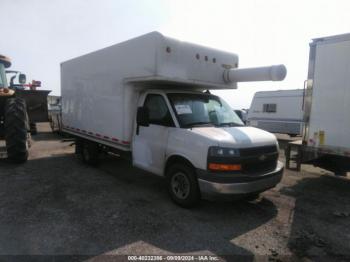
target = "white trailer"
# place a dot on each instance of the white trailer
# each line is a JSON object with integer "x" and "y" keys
{"x": 279, "y": 111}
{"x": 326, "y": 140}
{"x": 144, "y": 98}
{"x": 242, "y": 113}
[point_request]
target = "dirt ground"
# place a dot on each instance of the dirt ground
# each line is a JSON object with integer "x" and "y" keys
{"x": 56, "y": 205}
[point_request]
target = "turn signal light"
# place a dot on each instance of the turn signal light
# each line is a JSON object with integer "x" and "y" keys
{"x": 224, "y": 167}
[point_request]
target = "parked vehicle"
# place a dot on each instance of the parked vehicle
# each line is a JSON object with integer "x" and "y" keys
{"x": 35, "y": 99}
{"x": 278, "y": 111}
{"x": 242, "y": 113}
{"x": 143, "y": 99}
{"x": 326, "y": 140}
{"x": 20, "y": 109}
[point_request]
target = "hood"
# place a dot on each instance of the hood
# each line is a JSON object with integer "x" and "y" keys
{"x": 241, "y": 137}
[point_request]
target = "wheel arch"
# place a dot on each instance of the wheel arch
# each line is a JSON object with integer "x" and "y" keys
{"x": 176, "y": 159}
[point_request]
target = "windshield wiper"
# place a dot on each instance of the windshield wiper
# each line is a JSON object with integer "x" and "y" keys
{"x": 199, "y": 124}
{"x": 229, "y": 124}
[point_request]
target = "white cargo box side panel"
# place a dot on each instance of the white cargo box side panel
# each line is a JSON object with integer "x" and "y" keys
{"x": 329, "y": 118}
{"x": 94, "y": 99}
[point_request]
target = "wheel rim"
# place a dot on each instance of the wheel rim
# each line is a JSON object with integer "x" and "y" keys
{"x": 180, "y": 185}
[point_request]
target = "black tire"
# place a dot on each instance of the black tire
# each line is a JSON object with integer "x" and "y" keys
{"x": 340, "y": 172}
{"x": 78, "y": 146}
{"x": 33, "y": 129}
{"x": 16, "y": 130}
{"x": 183, "y": 185}
{"x": 252, "y": 196}
{"x": 89, "y": 151}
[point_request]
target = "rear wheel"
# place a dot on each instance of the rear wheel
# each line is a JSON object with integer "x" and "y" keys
{"x": 16, "y": 127}
{"x": 89, "y": 152}
{"x": 183, "y": 185}
{"x": 33, "y": 129}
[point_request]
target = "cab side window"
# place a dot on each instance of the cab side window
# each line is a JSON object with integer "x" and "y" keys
{"x": 159, "y": 113}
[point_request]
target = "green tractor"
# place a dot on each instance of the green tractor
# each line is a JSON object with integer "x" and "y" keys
{"x": 20, "y": 110}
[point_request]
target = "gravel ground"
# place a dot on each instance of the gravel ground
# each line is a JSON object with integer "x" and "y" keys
{"x": 55, "y": 205}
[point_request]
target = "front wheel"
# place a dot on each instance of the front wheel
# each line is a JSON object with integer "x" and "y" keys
{"x": 183, "y": 185}
{"x": 252, "y": 196}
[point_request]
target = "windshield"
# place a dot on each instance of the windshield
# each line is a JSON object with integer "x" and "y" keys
{"x": 203, "y": 110}
{"x": 3, "y": 82}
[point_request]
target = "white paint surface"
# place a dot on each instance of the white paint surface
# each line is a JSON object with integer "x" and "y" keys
{"x": 330, "y": 105}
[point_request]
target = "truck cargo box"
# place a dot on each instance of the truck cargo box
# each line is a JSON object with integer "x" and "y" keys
{"x": 100, "y": 86}
{"x": 100, "y": 89}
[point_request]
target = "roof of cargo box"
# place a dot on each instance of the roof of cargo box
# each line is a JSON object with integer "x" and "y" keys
{"x": 175, "y": 62}
{"x": 187, "y": 64}
{"x": 331, "y": 39}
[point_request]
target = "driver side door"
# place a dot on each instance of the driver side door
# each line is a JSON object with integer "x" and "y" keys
{"x": 150, "y": 144}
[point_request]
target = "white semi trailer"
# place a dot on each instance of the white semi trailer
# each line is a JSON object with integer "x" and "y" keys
{"x": 326, "y": 140}
{"x": 144, "y": 98}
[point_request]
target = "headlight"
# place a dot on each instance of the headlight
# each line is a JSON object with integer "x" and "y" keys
{"x": 217, "y": 151}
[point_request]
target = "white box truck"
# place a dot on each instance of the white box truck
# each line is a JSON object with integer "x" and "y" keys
{"x": 145, "y": 99}
{"x": 326, "y": 139}
{"x": 279, "y": 111}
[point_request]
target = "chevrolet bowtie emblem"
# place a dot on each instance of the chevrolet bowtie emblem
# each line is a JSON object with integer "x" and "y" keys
{"x": 262, "y": 157}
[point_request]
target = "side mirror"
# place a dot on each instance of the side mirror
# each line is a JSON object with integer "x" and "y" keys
{"x": 142, "y": 117}
{"x": 22, "y": 79}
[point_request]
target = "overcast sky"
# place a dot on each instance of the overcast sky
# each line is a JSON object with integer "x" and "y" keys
{"x": 39, "y": 34}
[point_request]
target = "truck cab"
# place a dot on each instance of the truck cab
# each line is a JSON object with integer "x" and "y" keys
{"x": 202, "y": 147}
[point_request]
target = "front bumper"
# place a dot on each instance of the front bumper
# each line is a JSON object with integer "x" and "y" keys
{"x": 216, "y": 184}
